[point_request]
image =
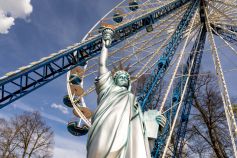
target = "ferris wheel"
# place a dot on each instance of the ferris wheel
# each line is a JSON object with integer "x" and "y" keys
{"x": 162, "y": 43}
{"x": 150, "y": 53}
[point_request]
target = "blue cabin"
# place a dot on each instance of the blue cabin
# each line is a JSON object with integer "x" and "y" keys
{"x": 133, "y": 5}
{"x": 73, "y": 128}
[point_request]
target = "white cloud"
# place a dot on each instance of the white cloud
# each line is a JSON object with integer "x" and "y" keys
{"x": 60, "y": 107}
{"x": 53, "y": 118}
{"x": 73, "y": 148}
{"x": 5, "y": 22}
{"x": 22, "y": 106}
{"x": 12, "y": 9}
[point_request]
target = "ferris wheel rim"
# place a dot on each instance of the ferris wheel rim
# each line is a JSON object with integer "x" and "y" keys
{"x": 84, "y": 67}
{"x": 105, "y": 16}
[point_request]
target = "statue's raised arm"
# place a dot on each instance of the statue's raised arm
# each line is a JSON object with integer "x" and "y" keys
{"x": 103, "y": 59}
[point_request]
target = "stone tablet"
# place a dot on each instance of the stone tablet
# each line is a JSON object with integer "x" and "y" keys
{"x": 150, "y": 123}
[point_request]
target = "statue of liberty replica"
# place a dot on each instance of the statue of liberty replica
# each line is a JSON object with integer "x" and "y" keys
{"x": 118, "y": 129}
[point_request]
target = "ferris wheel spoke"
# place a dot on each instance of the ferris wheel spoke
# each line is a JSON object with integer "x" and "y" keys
{"x": 184, "y": 90}
{"x": 188, "y": 39}
{"x": 221, "y": 13}
{"x": 225, "y": 24}
{"x": 228, "y": 30}
{"x": 145, "y": 47}
{"x": 227, "y": 43}
{"x": 138, "y": 13}
{"x": 225, "y": 8}
{"x": 147, "y": 3}
{"x": 211, "y": 10}
{"x": 155, "y": 54}
{"x": 125, "y": 58}
{"x": 223, "y": 88}
{"x": 133, "y": 41}
{"x": 226, "y": 3}
{"x": 231, "y": 13}
{"x": 150, "y": 10}
{"x": 141, "y": 48}
{"x": 222, "y": 8}
{"x": 108, "y": 18}
{"x": 145, "y": 57}
{"x": 92, "y": 88}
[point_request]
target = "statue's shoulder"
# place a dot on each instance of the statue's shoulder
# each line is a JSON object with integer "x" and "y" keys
{"x": 103, "y": 76}
{"x": 104, "y": 81}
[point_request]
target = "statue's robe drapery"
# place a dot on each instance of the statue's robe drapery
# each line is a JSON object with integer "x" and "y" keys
{"x": 117, "y": 129}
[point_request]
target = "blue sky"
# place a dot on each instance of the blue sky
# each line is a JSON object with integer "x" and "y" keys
{"x": 49, "y": 26}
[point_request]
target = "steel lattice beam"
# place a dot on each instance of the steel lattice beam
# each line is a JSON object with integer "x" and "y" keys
{"x": 20, "y": 83}
{"x": 196, "y": 55}
{"x": 230, "y": 35}
{"x": 197, "y": 51}
{"x": 162, "y": 64}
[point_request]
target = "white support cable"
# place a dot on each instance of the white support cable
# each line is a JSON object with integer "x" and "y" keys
{"x": 141, "y": 35}
{"x": 176, "y": 68}
{"x": 226, "y": 42}
{"x": 222, "y": 23}
{"x": 155, "y": 53}
{"x": 223, "y": 88}
{"x": 223, "y": 14}
{"x": 130, "y": 44}
{"x": 226, "y": 3}
{"x": 142, "y": 5}
{"x": 92, "y": 88}
{"x": 137, "y": 52}
{"x": 141, "y": 11}
{"x": 227, "y": 29}
{"x": 223, "y": 7}
{"x": 126, "y": 58}
{"x": 203, "y": 74}
{"x": 184, "y": 91}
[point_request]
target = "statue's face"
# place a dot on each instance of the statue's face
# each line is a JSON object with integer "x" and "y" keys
{"x": 122, "y": 81}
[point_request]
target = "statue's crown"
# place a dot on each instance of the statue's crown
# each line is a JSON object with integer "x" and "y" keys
{"x": 120, "y": 69}
{"x": 121, "y": 72}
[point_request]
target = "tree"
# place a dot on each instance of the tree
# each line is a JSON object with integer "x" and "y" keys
{"x": 25, "y": 135}
{"x": 138, "y": 88}
{"x": 208, "y": 134}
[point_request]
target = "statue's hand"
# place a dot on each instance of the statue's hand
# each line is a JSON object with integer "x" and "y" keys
{"x": 107, "y": 35}
{"x": 161, "y": 120}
